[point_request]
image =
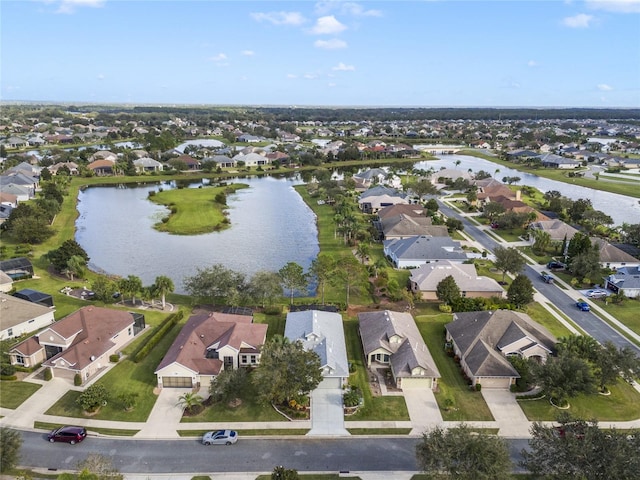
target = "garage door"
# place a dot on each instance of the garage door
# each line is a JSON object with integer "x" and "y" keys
{"x": 494, "y": 382}
{"x": 177, "y": 382}
{"x": 413, "y": 383}
{"x": 330, "y": 383}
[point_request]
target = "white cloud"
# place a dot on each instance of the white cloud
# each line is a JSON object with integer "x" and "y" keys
{"x": 345, "y": 8}
{"x": 604, "y": 87}
{"x": 333, "y": 44}
{"x": 532, "y": 63}
{"x": 69, "y": 6}
{"x": 331, "y": 85}
{"x": 292, "y": 75}
{"x": 221, "y": 57}
{"x": 310, "y": 76}
{"x": 280, "y": 18}
{"x": 328, "y": 25}
{"x": 582, "y": 20}
{"x": 619, "y": 6}
{"x": 248, "y": 53}
{"x": 344, "y": 68}
{"x": 100, "y": 76}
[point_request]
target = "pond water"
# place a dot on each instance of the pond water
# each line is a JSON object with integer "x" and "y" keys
{"x": 201, "y": 142}
{"x": 270, "y": 226}
{"x": 620, "y": 208}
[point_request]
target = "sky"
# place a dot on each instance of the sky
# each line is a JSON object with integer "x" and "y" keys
{"x": 419, "y": 53}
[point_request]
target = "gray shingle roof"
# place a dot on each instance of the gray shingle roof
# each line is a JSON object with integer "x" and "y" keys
{"x": 426, "y": 248}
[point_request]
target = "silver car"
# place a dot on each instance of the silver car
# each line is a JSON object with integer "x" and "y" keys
{"x": 596, "y": 293}
{"x": 220, "y": 437}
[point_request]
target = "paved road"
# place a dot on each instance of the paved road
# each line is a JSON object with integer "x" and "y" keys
{"x": 588, "y": 321}
{"x": 370, "y": 454}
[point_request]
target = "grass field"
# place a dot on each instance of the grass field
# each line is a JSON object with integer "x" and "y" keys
{"x": 13, "y": 393}
{"x": 194, "y": 210}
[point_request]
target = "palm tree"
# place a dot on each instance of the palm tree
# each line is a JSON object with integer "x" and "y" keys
{"x": 496, "y": 172}
{"x": 189, "y": 400}
{"x": 457, "y": 162}
{"x": 362, "y": 251}
{"x": 163, "y": 286}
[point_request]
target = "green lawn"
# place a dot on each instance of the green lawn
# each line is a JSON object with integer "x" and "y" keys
{"x": 627, "y": 312}
{"x": 14, "y": 393}
{"x": 126, "y": 376}
{"x": 622, "y": 405}
{"x": 467, "y": 404}
{"x": 194, "y": 210}
{"x": 541, "y": 315}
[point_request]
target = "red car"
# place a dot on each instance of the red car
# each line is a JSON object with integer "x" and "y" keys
{"x": 68, "y": 434}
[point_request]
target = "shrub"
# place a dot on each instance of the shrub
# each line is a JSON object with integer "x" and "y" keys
{"x": 152, "y": 340}
{"x": 128, "y": 400}
{"x": 114, "y": 358}
{"x": 93, "y": 397}
{"x": 77, "y": 380}
{"x": 273, "y": 310}
{"x": 478, "y": 387}
{"x": 8, "y": 378}
{"x": 444, "y": 308}
{"x": 352, "y": 397}
{"x": 6, "y": 369}
{"x": 48, "y": 374}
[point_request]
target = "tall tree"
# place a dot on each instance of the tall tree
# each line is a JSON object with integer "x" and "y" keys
{"x": 292, "y": 278}
{"x": 264, "y": 287}
{"x": 76, "y": 266}
{"x": 286, "y": 372}
{"x": 520, "y": 292}
{"x": 130, "y": 286}
{"x": 10, "y": 443}
{"x": 163, "y": 286}
{"x": 216, "y": 282}
{"x": 447, "y": 290}
{"x": 565, "y": 376}
{"x": 59, "y": 257}
{"x": 321, "y": 269}
{"x": 508, "y": 260}
{"x": 459, "y": 453}
{"x": 349, "y": 273}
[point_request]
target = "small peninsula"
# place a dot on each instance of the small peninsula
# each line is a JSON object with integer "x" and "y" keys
{"x": 194, "y": 211}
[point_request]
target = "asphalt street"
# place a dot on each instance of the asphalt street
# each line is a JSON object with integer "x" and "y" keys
{"x": 375, "y": 454}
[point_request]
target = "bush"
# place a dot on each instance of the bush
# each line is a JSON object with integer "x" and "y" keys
{"x": 478, "y": 387}
{"x": 6, "y": 369}
{"x": 444, "y": 308}
{"x": 77, "y": 380}
{"x": 152, "y": 340}
{"x": 114, "y": 358}
{"x": 48, "y": 374}
{"x": 93, "y": 397}
{"x": 273, "y": 310}
{"x": 8, "y": 378}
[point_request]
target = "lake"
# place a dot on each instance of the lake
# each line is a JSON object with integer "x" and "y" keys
{"x": 270, "y": 226}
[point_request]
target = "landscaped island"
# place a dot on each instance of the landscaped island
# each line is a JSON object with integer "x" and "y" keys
{"x": 195, "y": 210}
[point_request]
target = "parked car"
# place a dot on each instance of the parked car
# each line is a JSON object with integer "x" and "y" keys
{"x": 553, "y": 265}
{"x": 596, "y": 293}
{"x": 69, "y": 434}
{"x": 584, "y": 306}
{"x": 220, "y": 437}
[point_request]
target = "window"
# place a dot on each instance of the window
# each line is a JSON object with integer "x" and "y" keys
{"x": 254, "y": 359}
{"x": 212, "y": 353}
{"x": 244, "y": 358}
{"x": 19, "y": 359}
{"x": 129, "y": 331}
{"x": 10, "y": 332}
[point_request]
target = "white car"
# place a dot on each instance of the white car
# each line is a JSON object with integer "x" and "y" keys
{"x": 220, "y": 437}
{"x": 596, "y": 293}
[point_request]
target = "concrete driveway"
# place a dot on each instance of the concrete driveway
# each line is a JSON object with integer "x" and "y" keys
{"x": 507, "y": 413}
{"x": 423, "y": 409}
{"x": 327, "y": 412}
{"x": 165, "y": 416}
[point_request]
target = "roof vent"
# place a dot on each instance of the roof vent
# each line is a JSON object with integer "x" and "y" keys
{"x": 93, "y": 358}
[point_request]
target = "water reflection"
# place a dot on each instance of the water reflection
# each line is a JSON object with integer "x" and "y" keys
{"x": 271, "y": 225}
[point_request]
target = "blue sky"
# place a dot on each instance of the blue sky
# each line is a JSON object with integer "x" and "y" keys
{"x": 541, "y": 53}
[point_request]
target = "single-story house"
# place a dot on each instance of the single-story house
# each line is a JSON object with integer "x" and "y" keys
{"x": 323, "y": 333}
{"x": 18, "y": 316}
{"x": 221, "y": 161}
{"x": 403, "y": 226}
{"x": 251, "y": 159}
{"x": 207, "y": 344}
{"x": 374, "y": 176}
{"x": 412, "y": 210}
{"x": 392, "y": 340}
{"x": 625, "y": 280}
{"x": 613, "y": 257}
{"x": 80, "y": 343}
{"x": 425, "y": 279}
{"x": 556, "y": 161}
{"x": 483, "y": 341}
{"x": 557, "y": 230}
{"x": 415, "y": 251}
{"x": 102, "y": 167}
{"x": 378, "y": 197}
{"x": 146, "y": 164}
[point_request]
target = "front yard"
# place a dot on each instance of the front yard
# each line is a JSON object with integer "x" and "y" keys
{"x": 13, "y": 393}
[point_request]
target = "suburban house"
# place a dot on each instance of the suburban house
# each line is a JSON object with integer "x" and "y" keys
{"x": 189, "y": 161}
{"x": 425, "y": 279}
{"x": 102, "y": 167}
{"x": 402, "y": 226}
{"x": 557, "y": 230}
{"x": 251, "y": 159}
{"x": 413, "y": 210}
{"x": 611, "y": 256}
{"x": 625, "y": 280}
{"x": 378, "y": 197}
{"x": 556, "y": 161}
{"x": 392, "y": 340}
{"x": 80, "y": 343}
{"x": 517, "y": 206}
{"x": 374, "y": 176}
{"x": 207, "y": 344}
{"x": 415, "y": 251}
{"x": 323, "y": 333}
{"x": 221, "y": 161}
{"x": 483, "y": 341}
{"x": 146, "y": 164}
{"x": 18, "y": 316}
{"x": 72, "y": 167}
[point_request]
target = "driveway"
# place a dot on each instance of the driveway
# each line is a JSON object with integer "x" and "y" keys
{"x": 423, "y": 409}
{"x": 507, "y": 413}
{"x": 164, "y": 419}
{"x": 327, "y": 413}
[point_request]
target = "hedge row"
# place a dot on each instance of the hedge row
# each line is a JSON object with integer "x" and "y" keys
{"x": 152, "y": 340}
